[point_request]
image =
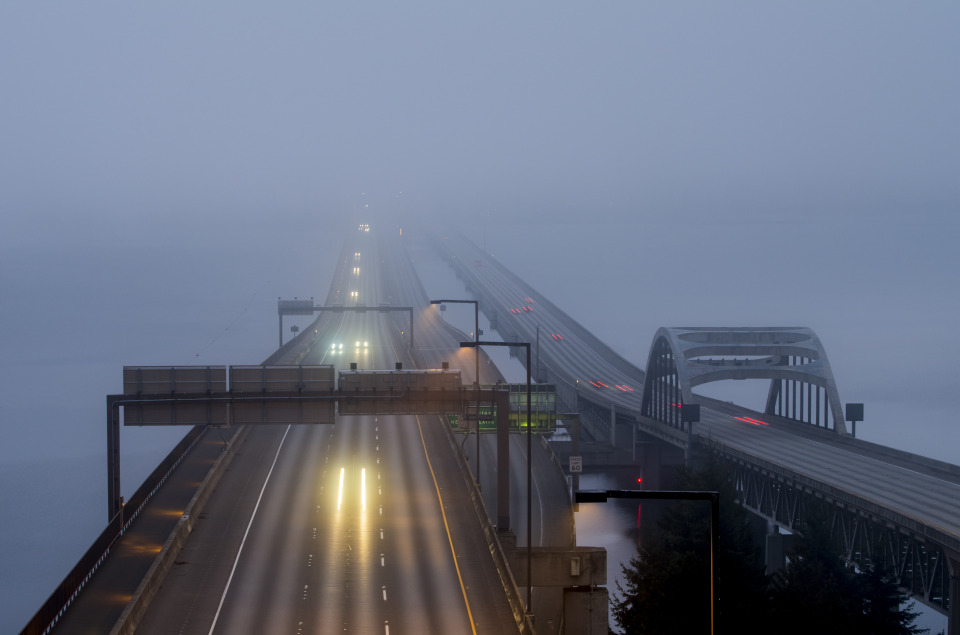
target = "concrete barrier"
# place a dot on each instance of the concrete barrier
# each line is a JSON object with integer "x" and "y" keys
{"x": 517, "y": 605}
{"x": 137, "y": 607}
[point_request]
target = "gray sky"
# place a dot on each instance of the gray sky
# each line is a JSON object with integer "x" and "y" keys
{"x": 541, "y": 110}
{"x": 167, "y": 170}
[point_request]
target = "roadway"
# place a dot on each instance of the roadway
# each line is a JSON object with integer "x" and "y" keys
{"x": 908, "y": 487}
{"x": 363, "y": 526}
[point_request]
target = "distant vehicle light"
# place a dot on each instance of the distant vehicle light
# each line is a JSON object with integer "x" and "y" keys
{"x": 755, "y": 422}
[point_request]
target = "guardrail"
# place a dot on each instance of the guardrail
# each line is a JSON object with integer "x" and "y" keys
{"x": 77, "y": 579}
{"x": 512, "y": 591}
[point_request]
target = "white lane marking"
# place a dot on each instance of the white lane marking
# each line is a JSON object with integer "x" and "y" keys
{"x": 256, "y": 507}
{"x": 536, "y": 486}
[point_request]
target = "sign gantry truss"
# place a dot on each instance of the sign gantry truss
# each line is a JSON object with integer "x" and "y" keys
{"x": 306, "y": 307}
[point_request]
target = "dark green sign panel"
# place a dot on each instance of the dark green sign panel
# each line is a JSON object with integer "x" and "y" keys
{"x": 543, "y": 410}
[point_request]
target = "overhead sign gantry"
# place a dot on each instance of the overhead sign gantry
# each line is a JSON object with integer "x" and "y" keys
{"x": 283, "y": 395}
{"x": 306, "y": 307}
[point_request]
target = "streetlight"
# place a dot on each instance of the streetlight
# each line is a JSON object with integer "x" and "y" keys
{"x": 476, "y": 339}
{"x": 526, "y": 345}
{"x": 536, "y": 374}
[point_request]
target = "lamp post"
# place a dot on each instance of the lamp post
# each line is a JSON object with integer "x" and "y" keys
{"x": 536, "y": 374}
{"x": 526, "y": 345}
{"x": 476, "y": 358}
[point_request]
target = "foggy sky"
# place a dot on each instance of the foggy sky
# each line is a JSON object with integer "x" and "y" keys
{"x": 543, "y": 110}
{"x": 167, "y": 171}
{"x": 164, "y": 170}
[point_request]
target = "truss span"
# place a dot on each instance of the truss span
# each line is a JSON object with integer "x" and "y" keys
{"x": 802, "y": 387}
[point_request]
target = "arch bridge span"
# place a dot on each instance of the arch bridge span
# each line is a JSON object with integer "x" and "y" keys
{"x": 801, "y": 388}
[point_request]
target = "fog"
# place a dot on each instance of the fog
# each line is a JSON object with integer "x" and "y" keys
{"x": 166, "y": 172}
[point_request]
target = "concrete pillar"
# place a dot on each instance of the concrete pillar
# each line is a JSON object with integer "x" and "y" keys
{"x": 613, "y": 425}
{"x": 585, "y": 610}
{"x": 953, "y": 620}
{"x": 776, "y": 550}
{"x": 651, "y": 466}
{"x": 503, "y": 460}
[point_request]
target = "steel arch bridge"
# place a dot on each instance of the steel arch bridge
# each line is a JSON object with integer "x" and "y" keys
{"x": 802, "y": 387}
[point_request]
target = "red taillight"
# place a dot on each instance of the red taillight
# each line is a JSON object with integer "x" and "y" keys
{"x": 755, "y": 422}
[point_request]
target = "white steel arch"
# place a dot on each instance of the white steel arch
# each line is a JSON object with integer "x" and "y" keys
{"x": 792, "y": 358}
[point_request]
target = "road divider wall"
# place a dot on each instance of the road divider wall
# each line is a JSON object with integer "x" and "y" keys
{"x": 137, "y": 607}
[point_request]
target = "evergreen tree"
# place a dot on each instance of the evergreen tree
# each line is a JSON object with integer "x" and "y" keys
{"x": 886, "y": 609}
{"x": 818, "y": 593}
{"x": 667, "y": 584}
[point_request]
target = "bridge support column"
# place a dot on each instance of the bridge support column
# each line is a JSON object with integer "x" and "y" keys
{"x": 775, "y": 556}
{"x": 953, "y": 620}
{"x": 503, "y": 460}
{"x": 613, "y": 425}
{"x": 651, "y": 466}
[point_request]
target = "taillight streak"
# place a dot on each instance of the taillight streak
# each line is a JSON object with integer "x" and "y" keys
{"x": 755, "y": 422}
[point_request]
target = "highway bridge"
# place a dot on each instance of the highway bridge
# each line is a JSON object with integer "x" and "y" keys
{"x": 893, "y": 507}
{"x": 287, "y": 544}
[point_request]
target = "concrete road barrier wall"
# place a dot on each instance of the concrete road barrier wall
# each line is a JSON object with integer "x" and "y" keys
{"x": 137, "y": 606}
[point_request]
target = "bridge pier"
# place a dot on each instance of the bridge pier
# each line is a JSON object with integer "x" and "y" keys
{"x": 613, "y": 424}
{"x": 953, "y": 618}
{"x": 651, "y": 462}
{"x": 776, "y": 546}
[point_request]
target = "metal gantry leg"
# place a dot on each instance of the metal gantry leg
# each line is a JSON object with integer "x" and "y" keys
{"x": 114, "y": 502}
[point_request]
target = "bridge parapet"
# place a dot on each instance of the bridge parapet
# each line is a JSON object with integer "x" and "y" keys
{"x": 802, "y": 386}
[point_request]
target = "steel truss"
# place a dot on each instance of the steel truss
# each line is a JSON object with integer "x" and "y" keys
{"x": 917, "y": 564}
{"x": 663, "y": 395}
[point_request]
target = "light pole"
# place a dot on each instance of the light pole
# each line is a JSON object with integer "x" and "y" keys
{"x": 476, "y": 358}
{"x": 536, "y": 374}
{"x": 526, "y": 345}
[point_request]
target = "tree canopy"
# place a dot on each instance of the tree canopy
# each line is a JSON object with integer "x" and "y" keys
{"x": 666, "y": 586}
